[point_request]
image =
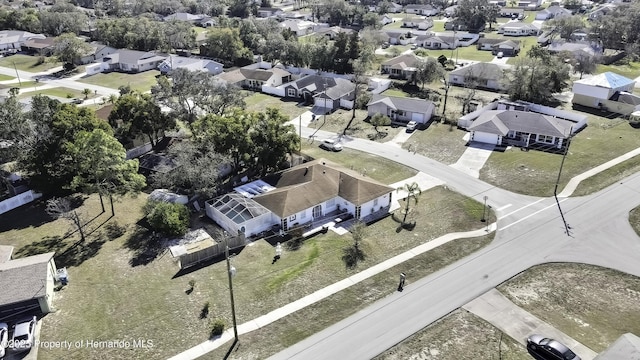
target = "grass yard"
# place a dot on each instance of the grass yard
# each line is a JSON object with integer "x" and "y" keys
{"x": 438, "y": 26}
{"x": 259, "y": 102}
{"x": 28, "y": 63}
{"x": 440, "y": 142}
{"x": 608, "y": 177}
{"x": 338, "y": 120}
{"x": 535, "y": 172}
{"x": 6, "y": 77}
{"x": 139, "y": 81}
{"x": 630, "y": 70}
{"x": 380, "y": 169}
{"x": 124, "y": 285}
{"x": 459, "y": 335}
{"x": 395, "y": 92}
{"x": 463, "y": 53}
{"x": 61, "y": 92}
{"x": 591, "y": 304}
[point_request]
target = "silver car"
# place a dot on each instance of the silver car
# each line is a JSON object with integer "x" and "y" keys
{"x": 23, "y": 334}
{"x": 4, "y": 338}
{"x": 543, "y": 348}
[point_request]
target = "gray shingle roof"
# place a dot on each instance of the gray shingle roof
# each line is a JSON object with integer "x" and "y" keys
{"x": 401, "y": 103}
{"x": 409, "y": 60}
{"x": 487, "y": 71}
{"x": 501, "y": 121}
{"x": 335, "y": 87}
{"x": 23, "y": 279}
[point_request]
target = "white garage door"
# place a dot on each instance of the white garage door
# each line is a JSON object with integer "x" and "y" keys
{"x": 323, "y": 103}
{"x": 417, "y": 117}
{"x": 485, "y": 138}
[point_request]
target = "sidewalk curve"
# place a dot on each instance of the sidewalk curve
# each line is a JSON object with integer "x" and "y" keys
{"x": 321, "y": 294}
{"x": 514, "y": 321}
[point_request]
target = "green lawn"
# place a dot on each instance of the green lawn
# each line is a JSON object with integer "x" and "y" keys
{"x": 198, "y": 29}
{"x": 6, "y": 77}
{"x": 126, "y": 286}
{"x": 336, "y": 122}
{"x": 256, "y": 101}
{"x": 630, "y": 70}
{"x": 438, "y": 26}
{"x": 140, "y": 81}
{"x": 395, "y": 92}
{"x": 465, "y": 52}
{"x": 440, "y": 142}
{"x": 28, "y": 63}
{"x": 535, "y": 172}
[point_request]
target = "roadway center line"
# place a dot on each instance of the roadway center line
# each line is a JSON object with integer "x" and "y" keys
{"x": 535, "y": 213}
{"x": 524, "y": 207}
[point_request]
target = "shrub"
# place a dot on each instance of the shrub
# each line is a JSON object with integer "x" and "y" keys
{"x": 169, "y": 219}
{"x": 217, "y": 328}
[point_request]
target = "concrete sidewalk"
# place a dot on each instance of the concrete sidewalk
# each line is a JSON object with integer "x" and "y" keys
{"x": 518, "y": 323}
{"x": 277, "y": 314}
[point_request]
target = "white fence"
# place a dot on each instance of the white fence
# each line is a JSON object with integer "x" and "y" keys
{"x": 347, "y": 104}
{"x": 18, "y": 200}
{"x": 277, "y": 91}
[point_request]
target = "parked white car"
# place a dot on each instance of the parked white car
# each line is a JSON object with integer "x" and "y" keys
{"x": 23, "y": 334}
{"x": 330, "y": 144}
{"x": 411, "y": 126}
{"x": 4, "y": 338}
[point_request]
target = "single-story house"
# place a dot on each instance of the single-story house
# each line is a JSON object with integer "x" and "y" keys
{"x": 401, "y": 109}
{"x": 518, "y": 28}
{"x": 437, "y": 42}
{"x": 196, "y": 19}
{"x": 385, "y": 19}
{"x": 254, "y": 79}
{"x": 265, "y": 12}
{"x": 98, "y": 51}
{"x": 324, "y": 91}
{"x": 42, "y": 47}
{"x": 479, "y": 75}
{"x": 601, "y": 10}
{"x": 577, "y": 50}
{"x": 530, "y": 5}
{"x": 511, "y": 12}
{"x": 192, "y": 64}
{"x": 553, "y": 12}
{"x": 506, "y": 47}
{"x": 403, "y": 66}
{"x": 450, "y": 11}
{"x": 299, "y": 27}
{"x": 334, "y": 31}
{"x": 299, "y": 196}
{"x": 420, "y": 24}
{"x": 399, "y": 37}
{"x": 27, "y": 284}
{"x": 506, "y": 123}
{"x": 131, "y": 61}
{"x": 602, "y": 91}
{"x": 13, "y": 40}
{"x": 420, "y": 9}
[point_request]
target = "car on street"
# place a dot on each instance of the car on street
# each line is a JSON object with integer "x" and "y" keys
{"x": 331, "y": 145}
{"x": 23, "y": 334}
{"x": 4, "y": 339}
{"x": 411, "y": 126}
{"x": 542, "y": 348}
{"x": 76, "y": 101}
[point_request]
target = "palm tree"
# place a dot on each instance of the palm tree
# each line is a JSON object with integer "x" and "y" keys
{"x": 413, "y": 192}
{"x": 86, "y": 93}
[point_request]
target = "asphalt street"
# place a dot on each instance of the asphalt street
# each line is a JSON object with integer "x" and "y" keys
{"x": 530, "y": 232}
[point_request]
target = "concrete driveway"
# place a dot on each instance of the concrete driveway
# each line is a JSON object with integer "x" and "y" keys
{"x": 514, "y": 321}
{"x": 473, "y": 159}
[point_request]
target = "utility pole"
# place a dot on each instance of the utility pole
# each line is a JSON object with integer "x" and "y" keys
{"x": 17, "y": 74}
{"x": 555, "y": 190}
{"x": 231, "y": 271}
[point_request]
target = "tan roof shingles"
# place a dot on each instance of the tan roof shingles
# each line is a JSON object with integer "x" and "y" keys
{"x": 315, "y": 182}
{"x": 24, "y": 278}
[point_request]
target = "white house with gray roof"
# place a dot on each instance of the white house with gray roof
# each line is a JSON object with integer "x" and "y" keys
{"x": 401, "y": 109}
{"x": 325, "y": 91}
{"x": 507, "y": 123}
{"x": 27, "y": 284}
{"x": 480, "y": 75}
{"x": 13, "y": 40}
{"x": 131, "y": 61}
{"x": 192, "y": 64}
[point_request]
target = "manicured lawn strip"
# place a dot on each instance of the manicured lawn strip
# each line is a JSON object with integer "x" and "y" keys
{"x": 440, "y": 142}
{"x": 630, "y": 70}
{"x": 285, "y": 332}
{"x": 61, "y": 92}
{"x": 336, "y": 122}
{"x": 259, "y": 102}
{"x": 459, "y": 335}
{"x": 140, "y": 81}
{"x": 593, "y": 305}
{"x": 28, "y": 63}
{"x": 535, "y": 172}
{"x": 462, "y": 53}
{"x": 6, "y": 77}
{"x": 608, "y": 177}
{"x": 380, "y": 169}
{"x": 438, "y": 26}
{"x": 395, "y": 92}
{"x": 119, "y": 291}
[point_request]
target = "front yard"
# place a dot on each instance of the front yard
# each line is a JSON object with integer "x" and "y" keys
{"x": 139, "y": 81}
{"x": 29, "y": 63}
{"x": 256, "y": 101}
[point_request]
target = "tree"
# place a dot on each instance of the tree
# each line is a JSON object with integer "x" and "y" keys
{"x": 565, "y": 26}
{"x": 86, "y": 92}
{"x": 14, "y": 126}
{"x": 225, "y": 45}
{"x": 167, "y": 218}
{"x": 585, "y": 64}
{"x": 379, "y": 120}
{"x": 537, "y": 77}
{"x": 100, "y": 165}
{"x": 473, "y": 14}
{"x": 273, "y": 139}
{"x": 428, "y": 70}
{"x": 68, "y": 48}
{"x": 60, "y": 208}
{"x": 137, "y": 114}
{"x": 353, "y": 254}
{"x": 413, "y": 192}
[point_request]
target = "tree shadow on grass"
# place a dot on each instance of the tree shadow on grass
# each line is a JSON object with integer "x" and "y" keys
{"x": 144, "y": 245}
{"x": 403, "y": 224}
{"x": 351, "y": 256}
{"x": 33, "y": 214}
{"x": 67, "y": 253}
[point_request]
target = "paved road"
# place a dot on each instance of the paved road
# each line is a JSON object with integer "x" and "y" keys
{"x": 530, "y": 232}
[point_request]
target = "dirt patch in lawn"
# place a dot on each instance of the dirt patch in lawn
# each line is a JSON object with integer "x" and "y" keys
{"x": 593, "y": 305}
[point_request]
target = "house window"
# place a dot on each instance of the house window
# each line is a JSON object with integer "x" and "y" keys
{"x": 375, "y": 202}
{"x": 545, "y": 139}
{"x": 292, "y": 218}
{"x": 291, "y": 92}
